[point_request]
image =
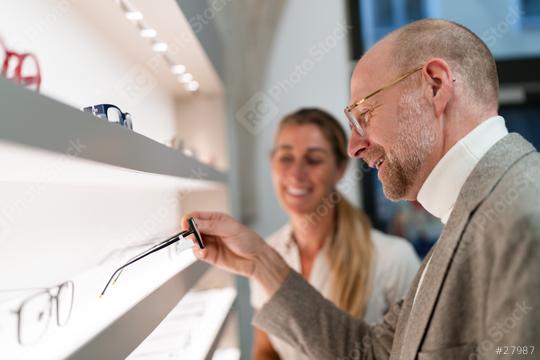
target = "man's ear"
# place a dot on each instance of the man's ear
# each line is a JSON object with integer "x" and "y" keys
{"x": 440, "y": 82}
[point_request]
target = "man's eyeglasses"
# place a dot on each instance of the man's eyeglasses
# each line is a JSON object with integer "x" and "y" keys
{"x": 22, "y": 68}
{"x": 111, "y": 113}
{"x": 359, "y": 116}
{"x": 193, "y": 230}
{"x": 35, "y": 312}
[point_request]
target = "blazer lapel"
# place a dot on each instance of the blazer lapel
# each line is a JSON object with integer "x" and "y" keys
{"x": 428, "y": 293}
{"x": 479, "y": 184}
{"x": 406, "y": 310}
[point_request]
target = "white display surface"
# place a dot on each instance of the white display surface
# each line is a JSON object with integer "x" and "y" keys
{"x": 92, "y": 313}
{"x": 190, "y": 329}
{"x": 76, "y": 189}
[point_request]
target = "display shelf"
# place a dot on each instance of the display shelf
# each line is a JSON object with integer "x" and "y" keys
{"x": 227, "y": 354}
{"x": 119, "y": 339}
{"x": 198, "y": 320}
{"x": 109, "y": 327}
{"x": 36, "y": 121}
{"x": 76, "y": 188}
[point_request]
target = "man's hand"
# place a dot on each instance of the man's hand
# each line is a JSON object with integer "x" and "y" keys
{"x": 238, "y": 249}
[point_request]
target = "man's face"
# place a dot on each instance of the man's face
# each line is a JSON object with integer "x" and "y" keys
{"x": 399, "y": 137}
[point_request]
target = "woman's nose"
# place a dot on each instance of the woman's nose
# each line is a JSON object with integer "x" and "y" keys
{"x": 299, "y": 170}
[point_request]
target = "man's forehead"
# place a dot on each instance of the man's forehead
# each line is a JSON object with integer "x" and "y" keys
{"x": 363, "y": 76}
{"x": 370, "y": 70}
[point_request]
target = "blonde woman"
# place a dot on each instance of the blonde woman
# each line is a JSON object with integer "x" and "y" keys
{"x": 327, "y": 240}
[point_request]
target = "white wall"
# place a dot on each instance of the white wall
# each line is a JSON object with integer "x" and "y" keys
{"x": 82, "y": 65}
{"x": 309, "y": 66}
{"x": 201, "y": 126}
{"x": 89, "y": 54}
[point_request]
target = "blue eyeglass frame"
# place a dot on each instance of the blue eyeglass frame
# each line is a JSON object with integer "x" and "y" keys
{"x": 100, "y": 111}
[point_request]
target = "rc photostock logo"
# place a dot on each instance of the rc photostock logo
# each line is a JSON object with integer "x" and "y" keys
{"x": 257, "y": 113}
{"x": 262, "y": 107}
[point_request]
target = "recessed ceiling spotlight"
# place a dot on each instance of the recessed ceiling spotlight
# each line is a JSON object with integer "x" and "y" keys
{"x": 192, "y": 86}
{"x": 185, "y": 78}
{"x": 178, "y": 69}
{"x": 160, "y": 46}
{"x": 148, "y": 33}
{"x": 134, "y": 15}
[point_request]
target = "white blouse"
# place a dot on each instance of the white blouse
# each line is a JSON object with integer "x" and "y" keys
{"x": 395, "y": 265}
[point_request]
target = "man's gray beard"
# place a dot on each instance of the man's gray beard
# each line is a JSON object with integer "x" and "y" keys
{"x": 417, "y": 135}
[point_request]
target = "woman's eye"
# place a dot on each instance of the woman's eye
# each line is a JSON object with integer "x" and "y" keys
{"x": 285, "y": 159}
{"x": 313, "y": 161}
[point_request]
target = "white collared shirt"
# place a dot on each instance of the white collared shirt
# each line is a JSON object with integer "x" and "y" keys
{"x": 395, "y": 265}
{"x": 441, "y": 189}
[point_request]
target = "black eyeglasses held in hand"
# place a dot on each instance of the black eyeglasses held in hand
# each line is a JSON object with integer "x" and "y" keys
{"x": 193, "y": 230}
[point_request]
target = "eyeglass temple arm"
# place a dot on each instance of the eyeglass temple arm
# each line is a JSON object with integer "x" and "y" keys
{"x": 153, "y": 249}
{"x": 386, "y": 86}
{"x": 193, "y": 230}
{"x": 149, "y": 251}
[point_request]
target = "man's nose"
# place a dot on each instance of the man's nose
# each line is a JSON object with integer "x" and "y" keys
{"x": 357, "y": 144}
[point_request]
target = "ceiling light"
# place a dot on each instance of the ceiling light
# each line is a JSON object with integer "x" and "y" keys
{"x": 178, "y": 69}
{"x": 185, "y": 78}
{"x": 160, "y": 46}
{"x": 192, "y": 86}
{"x": 134, "y": 15}
{"x": 148, "y": 33}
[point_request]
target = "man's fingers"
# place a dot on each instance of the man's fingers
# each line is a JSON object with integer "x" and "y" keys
{"x": 209, "y": 223}
{"x": 200, "y": 254}
{"x": 209, "y": 254}
{"x": 199, "y": 220}
{"x": 205, "y": 215}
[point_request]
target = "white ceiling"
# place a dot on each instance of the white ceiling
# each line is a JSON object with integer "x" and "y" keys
{"x": 172, "y": 27}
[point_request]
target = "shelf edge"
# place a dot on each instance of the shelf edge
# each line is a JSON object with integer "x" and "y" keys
{"x": 37, "y": 121}
{"x": 121, "y": 337}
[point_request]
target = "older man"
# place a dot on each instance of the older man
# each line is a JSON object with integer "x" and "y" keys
{"x": 424, "y": 113}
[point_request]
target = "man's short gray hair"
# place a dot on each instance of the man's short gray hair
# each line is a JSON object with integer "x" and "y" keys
{"x": 468, "y": 56}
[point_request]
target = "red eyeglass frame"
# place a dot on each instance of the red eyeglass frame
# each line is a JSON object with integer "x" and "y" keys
{"x": 20, "y": 58}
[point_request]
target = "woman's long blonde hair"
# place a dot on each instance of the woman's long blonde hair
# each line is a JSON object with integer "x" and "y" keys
{"x": 350, "y": 251}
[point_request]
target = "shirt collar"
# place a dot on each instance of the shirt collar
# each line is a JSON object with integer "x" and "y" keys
{"x": 439, "y": 192}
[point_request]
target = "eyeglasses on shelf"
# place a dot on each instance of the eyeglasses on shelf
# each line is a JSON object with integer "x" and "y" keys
{"x": 193, "y": 230}
{"x": 35, "y": 312}
{"x": 22, "y": 68}
{"x": 111, "y": 113}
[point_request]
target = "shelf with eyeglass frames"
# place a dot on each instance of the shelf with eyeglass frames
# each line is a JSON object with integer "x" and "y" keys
{"x": 66, "y": 151}
{"x": 30, "y": 120}
{"x": 71, "y": 320}
{"x": 36, "y": 128}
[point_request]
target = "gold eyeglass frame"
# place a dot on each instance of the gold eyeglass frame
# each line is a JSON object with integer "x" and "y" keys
{"x": 349, "y": 108}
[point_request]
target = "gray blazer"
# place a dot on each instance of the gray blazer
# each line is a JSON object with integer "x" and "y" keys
{"x": 481, "y": 290}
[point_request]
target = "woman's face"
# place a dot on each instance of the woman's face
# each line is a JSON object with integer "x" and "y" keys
{"x": 304, "y": 169}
